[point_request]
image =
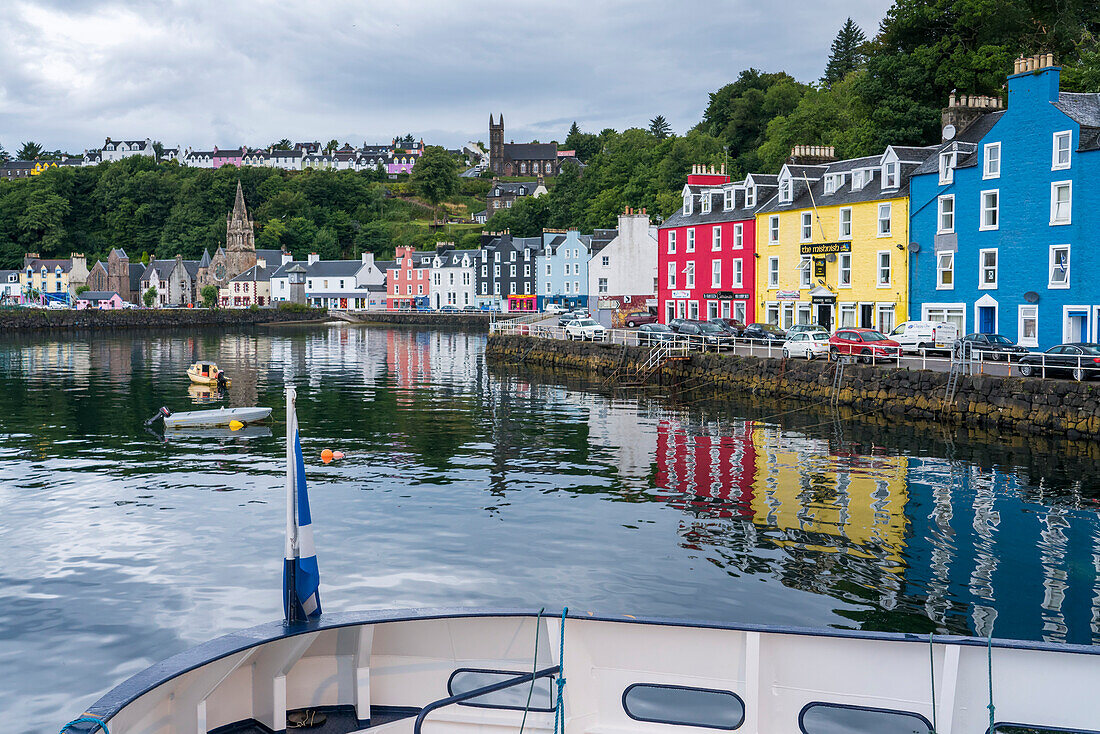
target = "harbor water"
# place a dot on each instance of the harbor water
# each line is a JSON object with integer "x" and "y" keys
{"x": 467, "y": 484}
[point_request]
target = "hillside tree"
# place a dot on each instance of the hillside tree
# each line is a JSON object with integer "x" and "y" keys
{"x": 659, "y": 127}
{"x": 846, "y": 54}
{"x": 435, "y": 175}
{"x": 29, "y": 151}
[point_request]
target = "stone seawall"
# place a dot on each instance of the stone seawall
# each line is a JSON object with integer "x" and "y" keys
{"x": 30, "y": 319}
{"x": 468, "y": 320}
{"x": 1025, "y": 405}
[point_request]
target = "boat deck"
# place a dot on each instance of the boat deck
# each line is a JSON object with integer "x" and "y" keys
{"x": 338, "y": 720}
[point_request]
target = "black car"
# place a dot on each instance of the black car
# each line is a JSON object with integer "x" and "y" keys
{"x": 765, "y": 333}
{"x": 733, "y": 326}
{"x": 1079, "y": 361}
{"x": 565, "y": 318}
{"x": 651, "y": 334}
{"x": 991, "y": 346}
{"x": 702, "y": 334}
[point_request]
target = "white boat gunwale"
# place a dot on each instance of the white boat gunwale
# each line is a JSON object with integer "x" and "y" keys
{"x": 219, "y": 648}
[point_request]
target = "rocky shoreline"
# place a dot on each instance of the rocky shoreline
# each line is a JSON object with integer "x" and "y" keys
{"x": 1029, "y": 406}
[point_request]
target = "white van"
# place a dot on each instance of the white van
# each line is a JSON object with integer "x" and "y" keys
{"x": 914, "y": 336}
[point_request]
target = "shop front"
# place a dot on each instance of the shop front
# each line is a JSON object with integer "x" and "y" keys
{"x": 823, "y": 307}
{"x": 522, "y": 303}
{"x": 728, "y": 305}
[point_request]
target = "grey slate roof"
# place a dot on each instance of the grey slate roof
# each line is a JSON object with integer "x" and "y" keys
{"x": 96, "y": 295}
{"x": 136, "y": 269}
{"x": 530, "y": 151}
{"x": 254, "y": 273}
{"x": 334, "y": 268}
{"x": 385, "y": 265}
{"x": 513, "y": 187}
{"x": 204, "y": 262}
{"x": 718, "y": 213}
{"x": 966, "y": 142}
{"x": 273, "y": 258}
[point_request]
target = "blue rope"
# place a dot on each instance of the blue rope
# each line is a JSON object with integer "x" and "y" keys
{"x": 534, "y": 669}
{"x": 989, "y": 658}
{"x": 932, "y": 671}
{"x": 559, "y": 710}
{"x": 86, "y": 720}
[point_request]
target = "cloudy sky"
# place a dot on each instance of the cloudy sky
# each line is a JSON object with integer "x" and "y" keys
{"x": 231, "y": 72}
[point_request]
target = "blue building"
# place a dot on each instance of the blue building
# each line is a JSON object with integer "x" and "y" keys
{"x": 563, "y": 268}
{"x": 1003, "y": 217}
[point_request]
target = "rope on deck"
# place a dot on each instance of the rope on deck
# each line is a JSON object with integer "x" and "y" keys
{"x": 86, "y": 720}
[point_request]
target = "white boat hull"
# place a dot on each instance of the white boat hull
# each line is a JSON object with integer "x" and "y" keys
{"x": 217, "y": 417}
{"x": 785, "y": 678}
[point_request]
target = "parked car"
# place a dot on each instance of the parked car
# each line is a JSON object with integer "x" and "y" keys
{"x": 807, "y": 344}
{"x": 475, "y": 309}
{"x": 568, "y": 316}
{"x": 652, "y": 334}
{"x": 924, "y": 336}
{"x": 703, "y": 335}
{"x": 1078, "y": 360}
{"x": 764, "y": 332}
{"x": 807, "y": 328}
{"x": 554, "y": 308}
{"x": 732, "y": 325}
{"x": 57, "y": 306}
{"x": 640, "y": 317}
{"x": 448, "y": 309}
{"x": 585, "y": 328}
{"x": 989, "y": 346}
{"x": 865, "y": 344}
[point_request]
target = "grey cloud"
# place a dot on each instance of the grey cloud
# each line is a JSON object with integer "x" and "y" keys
{"x": 226, "y": 73}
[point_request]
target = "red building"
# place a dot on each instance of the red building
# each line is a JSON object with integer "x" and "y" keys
{"x": 706, "y": 251}
{"x": 708, "y": 475}
{"x": 407, "y": 285}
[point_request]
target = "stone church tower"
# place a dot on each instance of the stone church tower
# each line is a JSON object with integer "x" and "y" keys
{"x": 240, "y": 239}
{"x": 496, "y": 145}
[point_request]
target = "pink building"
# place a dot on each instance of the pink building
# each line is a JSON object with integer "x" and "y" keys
{"x": 233, "y": 157}
{"x": 103, "y": 300}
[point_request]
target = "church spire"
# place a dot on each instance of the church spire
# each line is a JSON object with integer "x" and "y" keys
{"x": 239, "y": 211}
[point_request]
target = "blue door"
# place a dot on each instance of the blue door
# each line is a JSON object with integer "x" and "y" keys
{"x": 987, "y": 318}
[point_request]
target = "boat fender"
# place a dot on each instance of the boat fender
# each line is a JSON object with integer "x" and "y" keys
{"x": 235, "y": 425}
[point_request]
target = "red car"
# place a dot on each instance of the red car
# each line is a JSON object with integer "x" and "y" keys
{"x": 866, "y": 344}
{"x": 640, "y": 317}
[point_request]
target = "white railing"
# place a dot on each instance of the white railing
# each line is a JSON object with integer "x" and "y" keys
{"x": 1036, "y": 364}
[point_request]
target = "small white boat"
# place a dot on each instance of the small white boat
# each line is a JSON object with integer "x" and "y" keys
{"x": 217, "y": 417}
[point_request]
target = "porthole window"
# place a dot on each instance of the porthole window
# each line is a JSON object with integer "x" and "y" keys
{"x": 683, "y": 706}
{"x": 836, "y": 718}
{"x": 465, "y": 680}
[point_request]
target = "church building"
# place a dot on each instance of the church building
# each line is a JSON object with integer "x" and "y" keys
{"x": 520, "y": 159}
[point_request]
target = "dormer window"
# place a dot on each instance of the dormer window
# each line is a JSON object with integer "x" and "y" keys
{"x": 857, "y": 180}
{"x": 947, "y": 166}
{"x": 891, "y": 177}
{"x": 750, "y": 197}
{"x": 687, "y": 204}
{"x": 785, "y": 191}
{"x": 830, "y": 184}
{"x": 705, "y": 203}
{"x": 727, "y": 199}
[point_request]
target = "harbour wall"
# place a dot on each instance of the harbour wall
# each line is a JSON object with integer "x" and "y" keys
{"x": 37, "y": 319}
{"x": 1025, "y": 405}
{"x": 468, "y": 320}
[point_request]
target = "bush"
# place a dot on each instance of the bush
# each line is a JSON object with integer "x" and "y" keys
{"x": 293, "y": 307}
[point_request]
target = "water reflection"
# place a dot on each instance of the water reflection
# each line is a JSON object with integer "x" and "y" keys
{"x": 469, "y": 484}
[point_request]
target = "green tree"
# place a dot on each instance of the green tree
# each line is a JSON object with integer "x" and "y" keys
{"x": 332, "y": 145}
{"x": 41, "y": 222}
{"x": 29, "y": 151}
{"x": 585, "y": 145}
{"x": 82, "y": 289}
{"x": 209, "y": 295}
{"x": 283, "y": 144}
{"x": 846, "y": 54}
{"x": 659, "y": 127}
{"x": 158, "y": 148}
{"x": 149, "y": 297}
{"x": 4, "y": 157}
{"x": 435, "y": 175}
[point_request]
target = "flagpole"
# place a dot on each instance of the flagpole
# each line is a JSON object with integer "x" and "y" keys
{"x": 290, "y": 597}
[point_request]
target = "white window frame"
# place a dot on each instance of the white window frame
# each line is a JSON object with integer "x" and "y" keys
{"x": 984, "y": 209}
{"x": 750, "y": 197}
{"x": 601, "y": 285}
{"x": 843, "y": 265}
{"x": 727, "y": 199}
{"x": 1054, "y": 186}
{"x": 687, "y": 204}
{"x": 940, "y": 201}
{"x": 738, "y": 236}
{"x": 690, "y": 247}
{"x": 1057, "y": 138}
{"x": 805, "y": 271}
{"x": 704, "y": 203}
{"x": 844, "y": 223}
{"x": 807, "y": 228}
{"x": 948, "y": 159}
{"x": 672, "y": 276}
{"x": 738, "y": 273}
{"x": 785, "y": 191}
{"x": 940, "y": 270}
{"x": 991, "y": 161}
{"x": 830, "y": 184}
{"x": 716, "y": 273}
{"x": 1025, "y": 312}
{"x": 1050, "y": 268}
{"x": 889, "y": 282}
{"x": 982, "y": 284}
{"x": 716, "y": 238}
{"x": 773, "y": 229}
{"x": 689, "y": 276}
{"x": 773, "y": 272}
{"x": 888, "y": 208}
{"x": 693, "y": 310}
{"x": 891, "y": 176}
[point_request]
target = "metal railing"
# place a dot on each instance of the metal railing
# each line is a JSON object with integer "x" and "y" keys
{"x": 491, "y": 688}
{"x": 977, "y": 361}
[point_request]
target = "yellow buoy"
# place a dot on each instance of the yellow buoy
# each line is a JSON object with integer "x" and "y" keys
{"x": 235, "y": 425}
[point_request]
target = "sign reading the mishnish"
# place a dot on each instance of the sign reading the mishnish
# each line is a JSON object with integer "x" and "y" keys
{"x": 825, "y": 248}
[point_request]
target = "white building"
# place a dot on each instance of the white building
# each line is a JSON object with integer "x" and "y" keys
{"x": 156, "y": 277}
{"x": 9, "y": 286}
{"x": 338, "y": 284}
{"x": 453, "y": 282}
{"x": 626, "y": 267}
{"x": 116, "y": 150}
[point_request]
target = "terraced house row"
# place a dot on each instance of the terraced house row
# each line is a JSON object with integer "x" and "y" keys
{"x": 993, "y": 229}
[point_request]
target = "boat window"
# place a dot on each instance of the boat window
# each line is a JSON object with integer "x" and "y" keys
{"x": 1031, "y": 729}
{"x": 682, "y": 706}
{"x": 836, "y": 718}
{"x": 465, "y": 680}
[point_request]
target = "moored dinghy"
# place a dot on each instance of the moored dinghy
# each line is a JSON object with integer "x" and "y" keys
{"x": 217, "y": 417}
{"x": 456, "y": 671}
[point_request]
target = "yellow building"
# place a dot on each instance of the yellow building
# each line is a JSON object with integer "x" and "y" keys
{"x": 42, "y": 167}
{"x": 833, "y": 242}
{"x": 54, "y": 278}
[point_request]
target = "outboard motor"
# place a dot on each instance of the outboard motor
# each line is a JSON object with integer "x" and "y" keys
{"x": 223, "y": 383}
{"x": 160, "y": 415}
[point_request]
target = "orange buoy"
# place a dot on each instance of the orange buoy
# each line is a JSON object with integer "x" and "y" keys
{"x": 326, "y": 456}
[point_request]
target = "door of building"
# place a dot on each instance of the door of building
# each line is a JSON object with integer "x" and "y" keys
{"x": 1077, "y": 326}
{"x": 987, "y": 319}
{"x": 825, "y": 316}
{"x": 867, "y": 316}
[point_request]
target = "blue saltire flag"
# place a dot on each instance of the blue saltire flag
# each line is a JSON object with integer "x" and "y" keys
{"x": 301, "y": 577}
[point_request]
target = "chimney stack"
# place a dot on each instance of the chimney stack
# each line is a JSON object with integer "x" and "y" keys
{"x": 811, "y": 155}
{"x": 313, "y": 258}
{"x": 963, "y": 109}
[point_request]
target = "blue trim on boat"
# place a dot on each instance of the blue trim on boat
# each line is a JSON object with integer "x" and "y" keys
{"x": 162, "y": 672}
